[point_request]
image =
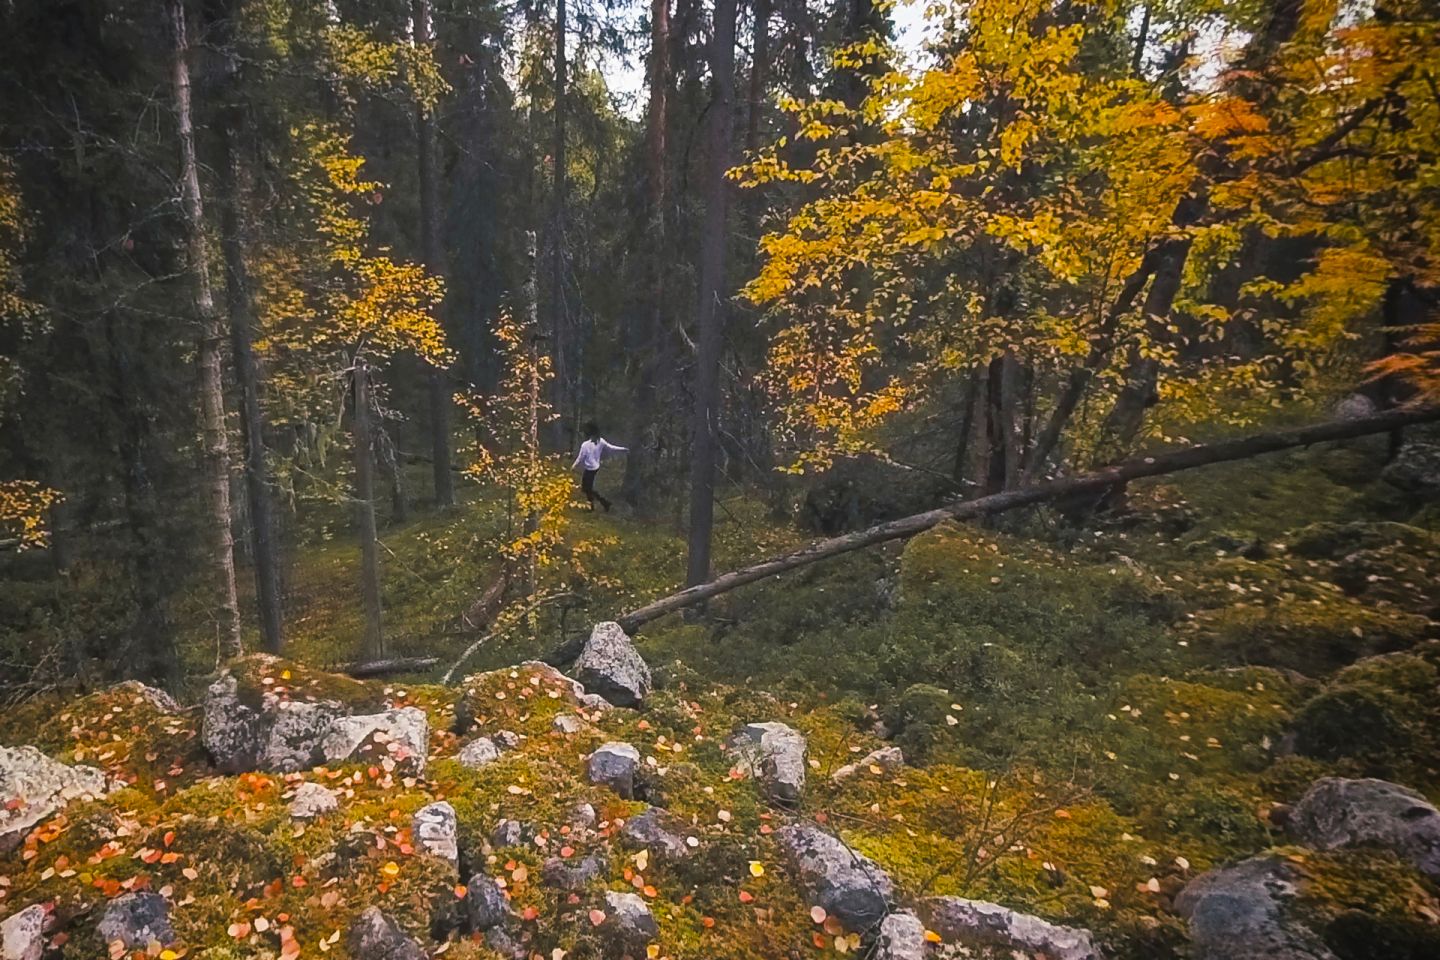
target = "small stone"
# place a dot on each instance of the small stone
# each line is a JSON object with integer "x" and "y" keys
{"x": 22, "y": 935}
{"x": 507, "y": 739}
{"x": 888, "y": 759}
{"x": 628, "y": 920}
{"x": 572, "y": 874}
{"x": 902, "y": 937}
{"x": 312, "y": 800}
{"x": 137, "y": 920}
{"x": 845, "y": 883}
{"x": 614, "y": 765}
{"x": 582, "y": 814}
{"x": 402, "y": 735}
{"x": 375, "y": 936}
{"x": 436, "y": 829}
{"x": 478, "y": 753}
{"x": 509, "y": 833}
{"x": 610, "y": 666}
{"x": 567, "y": 723}
{"x": 773, "y": 753}
{"x": 655, "y": 831}
{"x": 485, "y": 903}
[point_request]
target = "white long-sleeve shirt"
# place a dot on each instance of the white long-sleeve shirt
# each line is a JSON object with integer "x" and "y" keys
{"x": 592, "y": 452}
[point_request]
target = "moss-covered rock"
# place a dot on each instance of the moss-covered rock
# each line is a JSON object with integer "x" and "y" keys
{"x": 1311, "y": 636}
{"x": 1356, "y": 721}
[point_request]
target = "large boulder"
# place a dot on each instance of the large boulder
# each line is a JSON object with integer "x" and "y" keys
{"x": 976, "y": 923}
{"x": 33, "y": 787}
{"x": 845, "y": 883}
{"x": 1416, "y": 469}
{"x": 1242, "y": 912}
{"x": 401, "y": 735}
{"x": 22, "y": 934}
{"x": 572, "y": 874}
{"x": 774, "y": 754}
{"x": 1336, "y": 812}
{"x": 137, "y": 920}
{"x": 279, "y": 735}
{"x": 485, "y": 903}
{"x": 614, "y": 765}
{"x": 374, "y": 936}
{"x": 628, "y": 921}
{"x": 436, "y": 829}
{"x": 610, "y": 666}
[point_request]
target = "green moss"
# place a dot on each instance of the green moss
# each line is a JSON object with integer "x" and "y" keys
{"x": 1358, "y": 721}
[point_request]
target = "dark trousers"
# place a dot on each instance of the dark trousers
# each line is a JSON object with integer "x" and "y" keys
{"x": 587, "y": 484}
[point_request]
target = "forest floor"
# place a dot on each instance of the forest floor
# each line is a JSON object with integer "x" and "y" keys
{"x": 1090, "y": 718}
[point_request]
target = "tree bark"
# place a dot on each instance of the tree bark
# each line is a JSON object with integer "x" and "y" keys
{"x": 559, "y": 321}
{"x": 711, "y": 316}
{"x": 759, "y": 65}
{"x": 1186, "y": 458}
{"x": 216, "y": 452}
{"x": 647, "y": 341}
{"x": 433, "y": 252}
{"x": 373, "y": 645}
{"x": 235, "y": 185}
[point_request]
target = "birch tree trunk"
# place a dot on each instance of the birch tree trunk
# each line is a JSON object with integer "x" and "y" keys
{"x": 215, "y": 443}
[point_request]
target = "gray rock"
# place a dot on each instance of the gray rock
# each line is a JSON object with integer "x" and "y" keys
{"x": 509, "y": 833}
{"x": 582, "y": 815}
{"x": 845, "y": 883}
{"x": 295, "y": 733}
{"x": 1355, "y": 406}
{"x": 22, "y": 935}
{"x": 902, "y": 937}
{"x": 1241, "y": 912}
{"x": 436, "y": 829}
{"x": 567, "y": 723}
{"x": 312, "y": 800}
{"x": 610, "y": 666}
{"x": 572, "y": 874}
{"x": 1345, "y": 813}
{"x": 888, "y": 759}
{"x": 478, "y": 753}
{"x": 549, "y": 674}
{"x": 33, "y": 787}
{"x": 976, "y": 923}
{"x": 596, "y": 703}
{"x": 628, "y": 920}
{"x": 498, "y": 940}
{"x": 658, "y": 832}
{"x": 1415, "y": 469}
{"x": 230, "y": 731}
{"x": 374, "y": 936}
{"x": 774, "y": 754}
{"x": 403, "y": 734}
{"x": 137, "y": 920}
{"x": 485, "y": 903}
{"x": 157, "y": 699}
{"x": 614, "y": 765}
{"x": 507, "y": 739}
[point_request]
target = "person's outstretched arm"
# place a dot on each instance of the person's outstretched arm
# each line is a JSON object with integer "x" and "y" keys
{"x": 578, "y": 455}
{"x": 607, "y": 447}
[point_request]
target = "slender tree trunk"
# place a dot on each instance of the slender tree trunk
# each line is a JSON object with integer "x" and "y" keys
{"x": 257, "y": 478}
{"x": 531, "y": 295}
{"x": 373, "y": 645}
{"x": 711, "y": 316}
{"x": 961, "y": 465}
{"x": 216, "y": 458}
{"x": 432, "y": 249}
{"x": 1137, "y": 60}
{"x": 648, "y": 340}
{"x": 759, "y": 65}
{"x": 559, "y": 320}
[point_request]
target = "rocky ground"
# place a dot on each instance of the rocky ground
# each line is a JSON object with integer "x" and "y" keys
{"x": 1162, "y": 739}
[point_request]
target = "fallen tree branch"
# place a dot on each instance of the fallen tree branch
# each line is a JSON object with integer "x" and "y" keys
{"x": 1100, "y": 480}
{"x": 381, "y": 668}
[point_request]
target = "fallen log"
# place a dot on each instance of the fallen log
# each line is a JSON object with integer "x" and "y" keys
{"x": 383, "y": 668}
{"x": 1172, "y": 462}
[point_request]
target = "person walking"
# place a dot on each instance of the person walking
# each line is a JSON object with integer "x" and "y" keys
{"x": 592, "y": 452}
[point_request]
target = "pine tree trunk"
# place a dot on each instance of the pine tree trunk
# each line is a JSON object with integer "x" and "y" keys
{"x": 759, "y": 65}
{"x": 647, "y": 340}
{"x": 373, "y": 645}
{"x": 711, "y": 316}
{"x": 559, "y": 320}
{"x": 438, "y": 386}
{"x": 216, "y": 453}
{"x": 257, "y": 479}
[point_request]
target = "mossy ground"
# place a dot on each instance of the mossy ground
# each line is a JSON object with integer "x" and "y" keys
{"x": 1091, "y": 718}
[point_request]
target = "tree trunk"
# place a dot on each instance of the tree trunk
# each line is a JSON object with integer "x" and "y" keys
{"x": 559, "y": 320}
{"x": 216, "y": 456}
{"x": 433, "y": 252}
{"x": 233, "y": 233}
{"x": 373, "y": 645}
{"x": 1186, "y": 458}
{"x": 647, "y": 340}
{"x": 531, "y": 295}
{"x": 759, "y": 65}
{"x": 711, "y": 316}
